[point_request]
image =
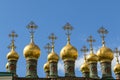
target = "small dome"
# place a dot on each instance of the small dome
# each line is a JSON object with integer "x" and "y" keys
{"x": 12, "y": 55}
{"x": 46, "y": 67}
{"x": 84, "y": 67}
{"x": 53, "y": 57}
{"x": 31, "y": 51}
{"x": 92, "y": 57}
{"x": 69, "y": 52}
{"x": 105, "y": 54}
{"x": 117, "y": 68}
{"x": 7, "y": 65}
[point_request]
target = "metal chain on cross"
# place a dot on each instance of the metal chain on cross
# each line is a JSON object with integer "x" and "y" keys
{"x": 32, "y": 26}
{"x": 102, "y": 31}
{"x": 52, "y": 37}
{"x": 48, "y": 47}
{"x": 84, "y": 50}
{"x": 68, "y": 28}
{"x": 117, "y": 54}
{"x": 91, "y": 40}
{"x": 13, "y": 35}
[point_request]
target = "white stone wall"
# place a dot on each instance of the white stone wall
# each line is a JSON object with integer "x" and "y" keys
{"x": 5, "y": 77}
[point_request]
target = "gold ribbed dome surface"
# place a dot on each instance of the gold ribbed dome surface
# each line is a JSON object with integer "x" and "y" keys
{"x": 31, "y": 51}
{"x": 92, "y": 57}
{"x": 69, "y": 52}
{"x": 117, "y": 68}
{"x": 105, "y": 54}
{"x": 84, "y": 67}
{"x": 53, "y": 57}
{"x": 46, "y": 67}
{"x": 12, "y": 55}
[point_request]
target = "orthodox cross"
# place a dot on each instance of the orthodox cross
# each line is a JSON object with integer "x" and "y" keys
{"x": 117, "y": 53}
{"x": 48, "y": 47}
{"x": 91, "y": 40}
{"x": 102, "y": 31}
{"x": 53, "y": 38}
{"x": 68, "y": 28}
{"x": 13, "y": 35}
{"x": 84, "y": 50}
{"x": 32, "y": 26}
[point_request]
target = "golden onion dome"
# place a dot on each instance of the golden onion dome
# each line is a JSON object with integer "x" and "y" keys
{"x": 46, "y": 67}
{"x": 117, "y": 68}
{"x": 53, "y": 57}
{"x": 105, "y": 54}
{"x": 69, "y": 52}
{"x": 12, "y": 55}
{"x": 92, "y": 57}
{"x": 84, "y": 67}
{"x": 7, "y": 65}
{"x": 31, "y": 51}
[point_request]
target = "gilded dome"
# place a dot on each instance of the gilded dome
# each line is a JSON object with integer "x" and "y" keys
{"x": 53, "y": 57}
{"x": 92, "y": 57}
{"x": 7, "y": 65}
{"x": 105, "y": 54}
{"x": 12, "y": 55}
{"x": 117, "y": 68}
{"x": 46, "y": 67}
{"x": 69, "y": 52}
{"x": 84, "y": 67}
{"x": 31, "y": 51}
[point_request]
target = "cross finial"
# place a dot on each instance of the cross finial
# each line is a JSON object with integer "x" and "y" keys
{"x": 48, "y": 47}
{"x": 12, "y": 35}
{"x": 91, "y": 40}
{"x": 84, "y": 50}
{"x": 68, "y": 28}
{"x": 11, "y": 46}
{"x": 32, "y": 26}
{"x": 117, "y": 53}
{"x": 102, "y": 31}
{"x": 52, "y": 37}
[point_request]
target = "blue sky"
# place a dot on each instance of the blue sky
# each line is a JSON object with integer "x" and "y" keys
{"x": 86, "y": 16}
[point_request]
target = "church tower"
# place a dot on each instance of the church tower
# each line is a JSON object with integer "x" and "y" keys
{"x": 105, "y": 55}
{"x": 69, "y": 54}
{"x": 31, "y": 53}
{"x": 117, "y": 66}
{"x": 12, "y": 56}
{"x": 92, "y": 60}
{"x": 53, "y": 59}
{"x": 85, "y": 67}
